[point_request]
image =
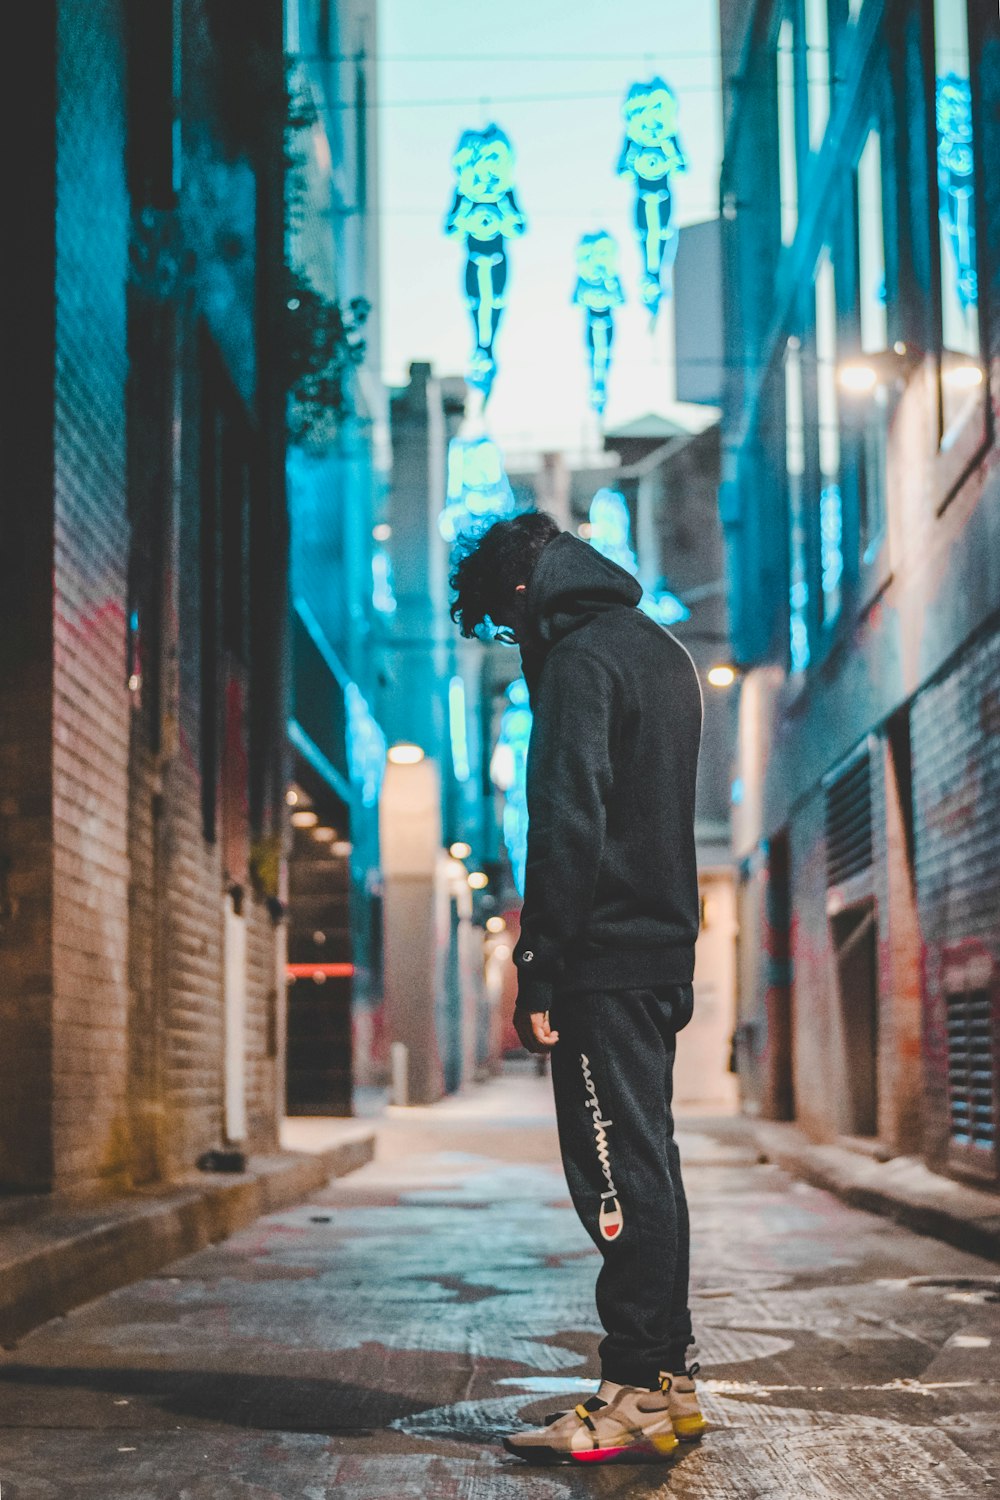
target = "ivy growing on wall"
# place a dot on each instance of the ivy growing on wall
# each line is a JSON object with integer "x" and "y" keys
{"x": 324, "y": 343}
{"x": 323, "y": 346}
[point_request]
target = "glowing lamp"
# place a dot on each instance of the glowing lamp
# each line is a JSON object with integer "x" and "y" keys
{"x": 324, "y": 835}
{"x": 478, "y": 880}
{"x": 382, "y": 532}
{"x": 963, "y": 377}
{"x": 405, "y": 754}
{"x": 496, "y": 924}
{"x": 460, "y": 850}
{"x": 858, "y": 378}
{"x": 722, "y": 676}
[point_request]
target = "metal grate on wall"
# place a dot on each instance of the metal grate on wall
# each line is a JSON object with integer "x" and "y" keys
{"x": 971, "y": 1096}
{"x": 849, "y": 820}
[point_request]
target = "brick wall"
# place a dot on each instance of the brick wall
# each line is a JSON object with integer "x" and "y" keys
{"x": 111, "y": 897}
{"x": 956, "y": 759}
{"x": 90, "y": 698}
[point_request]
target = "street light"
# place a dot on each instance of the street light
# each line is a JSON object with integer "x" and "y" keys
{"x": 478, "y": 880}
{"x": 722, "y": 675}
{"x": 460, "y": 850}
{"x": 304, "y": 818}
{"x": 496, "y": 924}
{"x": 860, "y": 375}
{"x": 963, "y": 377}
{"x": 405, "y": 754}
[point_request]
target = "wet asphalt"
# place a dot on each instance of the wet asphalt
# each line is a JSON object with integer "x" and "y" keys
{"x": 375, "y": 1342}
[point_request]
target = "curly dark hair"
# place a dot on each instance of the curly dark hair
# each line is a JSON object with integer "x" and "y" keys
{"x": 488, "y": 564}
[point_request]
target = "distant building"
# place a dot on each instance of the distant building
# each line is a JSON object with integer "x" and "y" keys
{"x": 337, "y": 474}
{"x": 430, "y": 700}
{"x": 861, "y": 502}
{"x": 142, "y": 563}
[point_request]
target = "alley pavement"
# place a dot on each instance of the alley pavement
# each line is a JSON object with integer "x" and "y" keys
{"x": 374, "y": 1342}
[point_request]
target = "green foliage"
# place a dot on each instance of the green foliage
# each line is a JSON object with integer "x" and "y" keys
{"x": 323, "y": 346}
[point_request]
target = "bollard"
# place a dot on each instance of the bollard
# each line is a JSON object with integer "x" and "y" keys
{"x": 399, "y": 1063}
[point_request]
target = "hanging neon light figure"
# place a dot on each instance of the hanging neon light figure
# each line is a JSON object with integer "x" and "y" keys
{"x": 478, "y": 486}
{"x": 598, "y": 291}
{"x": 651, "y": 155}
{"x": 508, "y": 772}
{"x": 955, "y": 184}
{"x": 485, "y": 212}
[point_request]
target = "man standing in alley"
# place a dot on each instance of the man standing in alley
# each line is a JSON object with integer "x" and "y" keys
{"x": 605, "y": 958}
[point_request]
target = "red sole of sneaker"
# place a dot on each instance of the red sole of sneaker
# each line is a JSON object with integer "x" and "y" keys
{"x": 634, "y": 1453}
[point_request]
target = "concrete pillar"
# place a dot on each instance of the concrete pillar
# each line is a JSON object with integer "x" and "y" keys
{"x": 410, "y": 836}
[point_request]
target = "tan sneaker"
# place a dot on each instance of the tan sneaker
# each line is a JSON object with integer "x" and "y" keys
{"x": 685, "y": 1413}
{"x": 635, "y": 1424}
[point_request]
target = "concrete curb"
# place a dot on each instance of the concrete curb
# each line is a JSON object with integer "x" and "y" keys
{"x": 59, "y": 1252}
{"x": 903, "y": 1188}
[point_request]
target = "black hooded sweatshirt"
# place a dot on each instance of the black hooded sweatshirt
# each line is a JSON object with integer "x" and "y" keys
{"x": 611, "y": 886}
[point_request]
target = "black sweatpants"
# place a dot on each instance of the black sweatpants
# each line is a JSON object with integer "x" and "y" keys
{"x": 612, "y": 1074}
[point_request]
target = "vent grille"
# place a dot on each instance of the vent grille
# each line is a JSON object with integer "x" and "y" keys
{"x": 849, "y": 821}
{"x": 971, "y": 1091}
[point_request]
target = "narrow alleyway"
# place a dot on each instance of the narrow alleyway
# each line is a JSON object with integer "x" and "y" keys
{"x": 373, "y": 1342}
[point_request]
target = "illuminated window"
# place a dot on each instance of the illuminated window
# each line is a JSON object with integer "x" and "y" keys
{"x": 831, "y": 510}
{"x": 871, "y": 247}
{"x": 798, "y": 592}
{"x": 961, "y": 373}
{"x": 874, "y": 334}
{"x": 817, "y": 69}
{"x": 787, "y": 155}
{"x": 458, "y": 729}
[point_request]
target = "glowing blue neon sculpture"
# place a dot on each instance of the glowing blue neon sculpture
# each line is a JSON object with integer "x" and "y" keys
{"x": 366, "y": 745}
{"x": 383, "y": 591}
{"x": 477, "y": 485}
{"x": 651, "y": 155}
{"x": 955, "y": 185}
{"x": 508, "y": 772}
{"x": 598, "y": 291}
{"x": 610, "y": 534}
{"x": 486, "y": 215}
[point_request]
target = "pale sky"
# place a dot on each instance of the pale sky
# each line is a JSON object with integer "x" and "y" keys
{"x": 553, "y": 76}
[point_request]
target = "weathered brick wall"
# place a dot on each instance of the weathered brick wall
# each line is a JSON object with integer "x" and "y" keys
{"x": 112, "y": 899}
{"x": 90, "y": 699}
{"x": 956, "y": 755}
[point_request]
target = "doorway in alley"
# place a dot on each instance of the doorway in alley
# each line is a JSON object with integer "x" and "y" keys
{"x": 855, "y": 948}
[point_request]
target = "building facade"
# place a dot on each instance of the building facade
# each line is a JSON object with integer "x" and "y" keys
{"x": 861, "y": 504}
{"x": 142, "y": 554}
{"x": 337, "y": 473}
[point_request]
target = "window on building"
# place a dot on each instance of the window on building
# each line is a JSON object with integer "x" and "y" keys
{"x": 874, "y": 336}
{"x": 831, "y": 508}
{"x": 798, "y": 559}
{"x": 871, "y": 247}
{"x": 961, "y": 368}
{"x": 817, "y": 69}
{"x": 787, "y": 153}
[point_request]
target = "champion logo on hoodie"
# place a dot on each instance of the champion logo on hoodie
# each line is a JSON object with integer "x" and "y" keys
{"x": 611, "y": 1220}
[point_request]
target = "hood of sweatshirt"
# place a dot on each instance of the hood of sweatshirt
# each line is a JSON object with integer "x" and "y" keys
{"x": 571, "y": 585}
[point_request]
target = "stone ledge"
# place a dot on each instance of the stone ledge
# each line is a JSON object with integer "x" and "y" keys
{"x": 60, "y": 1252}
{"x": 903, "y": 1188}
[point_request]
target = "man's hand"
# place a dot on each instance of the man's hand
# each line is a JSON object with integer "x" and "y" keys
{"x": 534, "y": 1030}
